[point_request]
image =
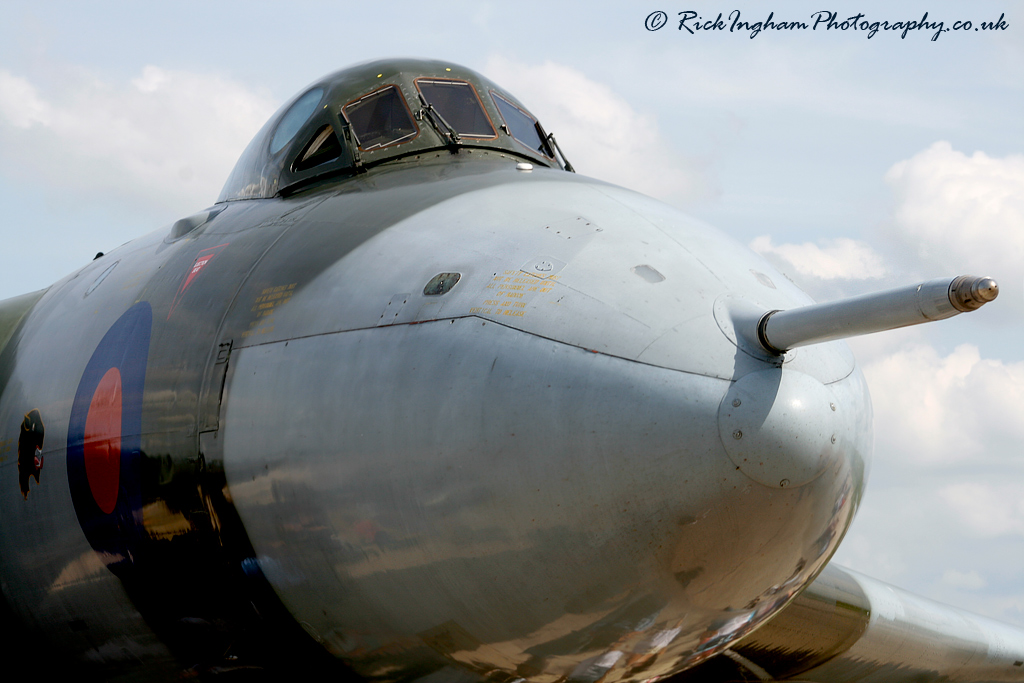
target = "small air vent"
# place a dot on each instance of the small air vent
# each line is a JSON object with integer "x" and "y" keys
{"x": 648, "y": 273}
{"x": 441, "y": 283}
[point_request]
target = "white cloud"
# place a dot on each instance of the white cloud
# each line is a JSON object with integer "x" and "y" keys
{"x": 602, "y": 135}
{"x": 987, "y": 509}
{"x": 962, "y": 212}
{"x": 971, "y": 580}
{"x": 840, "y": 258}
{"x": 166, "y": 137}
{"x": 958, "y": 409}
{"x": 19, "y": 102}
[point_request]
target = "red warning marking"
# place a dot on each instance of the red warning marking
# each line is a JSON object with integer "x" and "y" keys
{"x": 203, "y": 259}
{"x": 103, "y": 441}
{"x": 198, "y": 266}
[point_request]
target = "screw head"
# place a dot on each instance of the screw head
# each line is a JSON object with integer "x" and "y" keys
{"x": 832, "y": 406}
{"x": 737, "y": 434}
{"x": 784, "y": 483}
{"x": 833, "y": 438}
{"x": 736, "y": 403}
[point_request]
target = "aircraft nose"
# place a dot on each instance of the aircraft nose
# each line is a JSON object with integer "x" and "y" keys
{"x": 526, "y": 494}
{"x": 528, "y": 468}
{"x": 779, "y": 427}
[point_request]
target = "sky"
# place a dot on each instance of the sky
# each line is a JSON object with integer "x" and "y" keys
{"x": 853, "y": 162}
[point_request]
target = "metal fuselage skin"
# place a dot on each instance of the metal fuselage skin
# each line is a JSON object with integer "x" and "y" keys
{"x": 562, "y": 467}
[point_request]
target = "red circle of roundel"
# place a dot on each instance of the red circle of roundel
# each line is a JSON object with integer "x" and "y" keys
{"x": 103, "y": 441}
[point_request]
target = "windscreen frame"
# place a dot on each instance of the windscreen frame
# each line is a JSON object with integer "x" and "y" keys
{"x": 479, "y": 102}
{"x": 405, "y": 105}
{"x": 546, "y": 150}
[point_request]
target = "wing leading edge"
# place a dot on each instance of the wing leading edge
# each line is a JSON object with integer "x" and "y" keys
{"x": 847, "y": 627}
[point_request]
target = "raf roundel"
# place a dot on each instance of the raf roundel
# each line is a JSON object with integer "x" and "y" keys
{"x": 105, "y": 435}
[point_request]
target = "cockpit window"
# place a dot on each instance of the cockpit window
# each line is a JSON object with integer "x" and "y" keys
{"x": 323, "y": 147}
{"x": 459, "y": 105}
{"x": 380, "y": 119}
{"x": 293, "y": 120}
{"x": 521, "y": 125}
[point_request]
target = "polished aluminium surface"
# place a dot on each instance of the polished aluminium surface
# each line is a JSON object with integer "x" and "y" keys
{"x": 520, "y": 449}
{"x": 780, "y": 331}
{"x": 450, "y": 417}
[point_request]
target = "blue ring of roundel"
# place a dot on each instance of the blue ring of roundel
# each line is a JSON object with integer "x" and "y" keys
{"x": 125, "y": 346}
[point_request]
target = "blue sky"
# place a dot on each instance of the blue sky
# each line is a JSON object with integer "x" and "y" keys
{"x": 852, "y": 163}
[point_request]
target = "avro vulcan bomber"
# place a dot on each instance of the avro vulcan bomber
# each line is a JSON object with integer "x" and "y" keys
{"x": 414, "y": 401}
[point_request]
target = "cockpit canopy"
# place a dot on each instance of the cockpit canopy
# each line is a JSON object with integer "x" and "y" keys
{"x": 369, "y": 114}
